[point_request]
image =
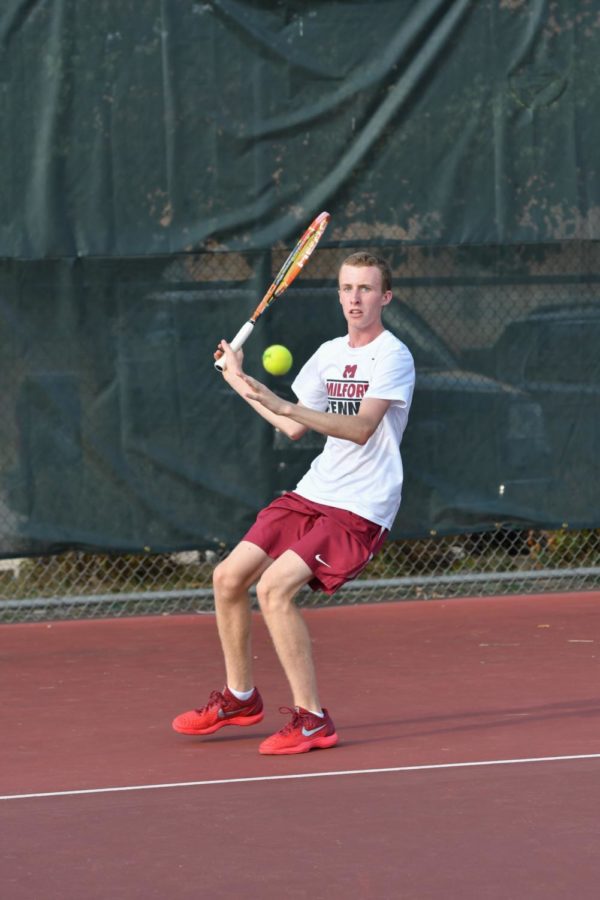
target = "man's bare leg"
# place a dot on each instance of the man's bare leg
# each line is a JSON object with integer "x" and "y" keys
{"x": 231, "y": 580}
{"x": 276, "y": 591}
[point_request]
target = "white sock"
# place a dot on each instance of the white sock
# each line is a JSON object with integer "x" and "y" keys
{"x": 321, "y": 714}
{"x": 241, "y": 695}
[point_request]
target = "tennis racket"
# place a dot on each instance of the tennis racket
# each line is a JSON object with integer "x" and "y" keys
{"x": 289, "y": 270}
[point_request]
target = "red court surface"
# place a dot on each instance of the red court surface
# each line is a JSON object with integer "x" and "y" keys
{"x": 468, "y": 763}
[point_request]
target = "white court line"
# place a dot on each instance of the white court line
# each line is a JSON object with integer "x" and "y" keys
{"x": 184, "y": 784}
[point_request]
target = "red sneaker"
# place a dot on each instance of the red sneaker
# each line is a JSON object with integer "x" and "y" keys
{"x": 305, "y": 732}
{"x": 221, "y": 709}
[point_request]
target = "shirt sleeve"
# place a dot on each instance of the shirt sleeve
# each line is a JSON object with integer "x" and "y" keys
{"x": 393, "y": 377}
{"x": 308, "y": 385}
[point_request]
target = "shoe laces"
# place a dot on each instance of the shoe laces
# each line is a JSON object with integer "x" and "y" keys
{"x": 294, "y": 722}
{"x": 216, "y": 699}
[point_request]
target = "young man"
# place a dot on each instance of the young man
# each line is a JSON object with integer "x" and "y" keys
{"x": 327, "y": 530}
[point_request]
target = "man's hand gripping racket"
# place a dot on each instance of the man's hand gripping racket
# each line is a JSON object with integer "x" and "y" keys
{"x": 289, "y": 270}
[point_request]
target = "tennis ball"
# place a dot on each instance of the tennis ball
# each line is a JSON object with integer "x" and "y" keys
{"x": 277, "y": 360}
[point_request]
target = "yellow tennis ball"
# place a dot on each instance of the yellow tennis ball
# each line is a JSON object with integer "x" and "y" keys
{"x": 277, "y": 360}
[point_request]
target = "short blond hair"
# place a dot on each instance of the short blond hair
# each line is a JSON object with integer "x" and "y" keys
{"x": 363, "y": 258}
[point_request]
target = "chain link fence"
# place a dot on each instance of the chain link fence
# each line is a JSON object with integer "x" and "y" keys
{"x": 80, "y": 585}
{"x": 468, "y": 299}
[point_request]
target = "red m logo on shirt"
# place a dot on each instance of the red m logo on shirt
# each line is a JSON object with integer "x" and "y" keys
{"x": 349, "y": 372}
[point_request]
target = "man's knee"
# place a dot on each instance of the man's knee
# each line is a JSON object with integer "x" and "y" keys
{"x": 227, "y": 579}
{"x": 270, "y": 594}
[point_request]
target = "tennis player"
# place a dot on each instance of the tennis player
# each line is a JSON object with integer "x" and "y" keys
{"x": 356, "y": 390}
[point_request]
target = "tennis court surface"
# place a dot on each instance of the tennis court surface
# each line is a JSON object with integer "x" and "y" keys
{"x": 468, "y": 763}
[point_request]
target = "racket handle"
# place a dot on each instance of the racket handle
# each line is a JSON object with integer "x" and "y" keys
{"x": 237, "y": 343}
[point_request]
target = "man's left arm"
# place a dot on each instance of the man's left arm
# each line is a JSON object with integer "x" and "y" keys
{"x": 356, "y": 428}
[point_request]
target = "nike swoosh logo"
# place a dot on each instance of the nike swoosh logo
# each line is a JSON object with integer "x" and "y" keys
{"x": 222, "y": 714}
{"x": 308, "y": 732}
{"x": 319, "y": 559}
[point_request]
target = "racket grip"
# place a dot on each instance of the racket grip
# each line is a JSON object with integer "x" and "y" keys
{"x": 236, "y": 343}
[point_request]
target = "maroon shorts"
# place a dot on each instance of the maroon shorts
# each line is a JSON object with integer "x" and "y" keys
{"x": 334, "y": 543}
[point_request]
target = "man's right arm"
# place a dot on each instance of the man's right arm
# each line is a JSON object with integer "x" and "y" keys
{"x": 233, "y": 376}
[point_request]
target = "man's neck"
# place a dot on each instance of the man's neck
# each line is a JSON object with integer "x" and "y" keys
{"x": 358, "y": 338}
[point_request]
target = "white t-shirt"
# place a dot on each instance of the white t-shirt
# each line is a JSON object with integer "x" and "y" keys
{"x": 367, "y": 479}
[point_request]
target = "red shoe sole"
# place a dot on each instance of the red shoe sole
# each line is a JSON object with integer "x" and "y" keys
{"x": 322, "y": 743}
{"x": 242, "y": 720}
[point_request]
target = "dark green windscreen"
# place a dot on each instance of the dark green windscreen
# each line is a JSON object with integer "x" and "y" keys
{"x": 155, "y": 126}
{"x": 157, "y": 160}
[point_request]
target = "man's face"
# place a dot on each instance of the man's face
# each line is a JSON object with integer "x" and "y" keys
{"x": 361, "y": 296}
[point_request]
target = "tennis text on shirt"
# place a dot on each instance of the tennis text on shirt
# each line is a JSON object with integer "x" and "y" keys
{"x": 344, "y": 396}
